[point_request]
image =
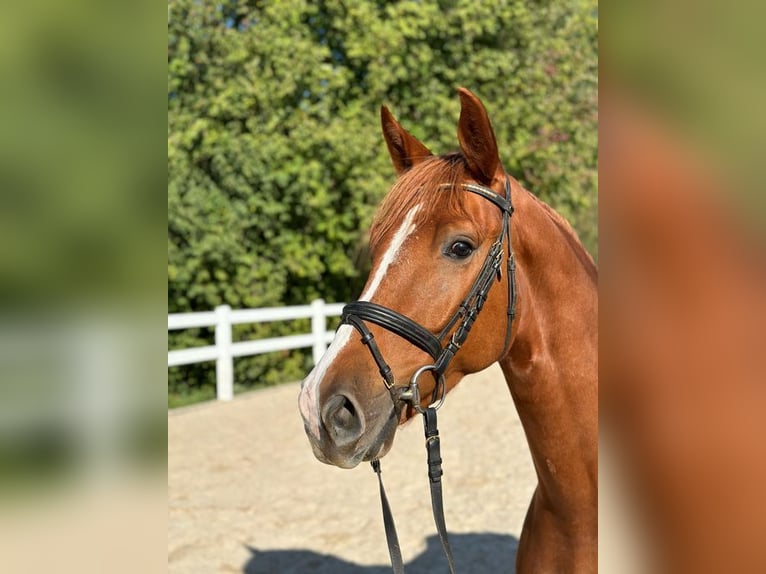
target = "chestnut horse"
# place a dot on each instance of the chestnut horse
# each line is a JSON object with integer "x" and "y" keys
{"x": 429, "y": 242}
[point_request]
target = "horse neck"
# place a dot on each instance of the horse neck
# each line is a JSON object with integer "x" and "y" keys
{"x": 552, "y": 366}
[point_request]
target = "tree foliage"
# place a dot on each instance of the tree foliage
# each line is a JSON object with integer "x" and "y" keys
{"x": 275, "y": 159}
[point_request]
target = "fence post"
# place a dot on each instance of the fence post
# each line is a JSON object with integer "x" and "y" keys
{"x": 318, "y": 328}
{"x": 224, "y": 365}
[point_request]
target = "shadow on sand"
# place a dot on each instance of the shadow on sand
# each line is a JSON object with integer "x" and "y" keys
{"x": 474, "y": 553}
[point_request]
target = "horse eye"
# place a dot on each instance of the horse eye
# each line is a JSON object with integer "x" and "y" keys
{"x": 460, "y": 250}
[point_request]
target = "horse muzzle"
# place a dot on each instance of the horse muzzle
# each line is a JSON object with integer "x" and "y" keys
{"x": 349, "y": 433}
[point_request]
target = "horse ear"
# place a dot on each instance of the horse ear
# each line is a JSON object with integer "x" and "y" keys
{"x": 405, "y": 150}
{"x": 477, "y": 140}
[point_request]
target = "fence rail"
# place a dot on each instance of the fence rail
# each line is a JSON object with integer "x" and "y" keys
{"x": 224, "y": 351}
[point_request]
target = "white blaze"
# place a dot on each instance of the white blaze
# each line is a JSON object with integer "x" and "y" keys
{"x": 309, "y": 397}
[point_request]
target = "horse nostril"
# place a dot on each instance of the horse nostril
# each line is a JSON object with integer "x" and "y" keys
{"x": 342, "y": 420}
{"x": 344, "y": 415}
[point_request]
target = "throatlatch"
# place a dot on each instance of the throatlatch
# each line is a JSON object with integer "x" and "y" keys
{"x": 355, "y": 314}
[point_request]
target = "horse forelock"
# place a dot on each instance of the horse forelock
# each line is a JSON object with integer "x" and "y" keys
{"x": 423, "y": 185}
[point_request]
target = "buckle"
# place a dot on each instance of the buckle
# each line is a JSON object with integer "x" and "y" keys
{"x": 454, "y": 341}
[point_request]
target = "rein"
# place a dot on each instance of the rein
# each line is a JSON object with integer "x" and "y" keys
{"x": 355, "y": 314}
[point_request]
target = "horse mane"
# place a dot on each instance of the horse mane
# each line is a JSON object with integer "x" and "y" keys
{"x": 571, "y": 237}
{"x": 422, "y": 184}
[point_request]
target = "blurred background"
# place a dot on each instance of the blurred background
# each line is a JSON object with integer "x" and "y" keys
{"x": 82, "y": 275}
{"x": 682, "y": 460}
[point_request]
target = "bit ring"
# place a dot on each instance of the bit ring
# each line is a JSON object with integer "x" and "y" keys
{"x": 413, "y": 393}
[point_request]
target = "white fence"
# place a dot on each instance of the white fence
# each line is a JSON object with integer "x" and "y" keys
{"x": 224, "y": 350}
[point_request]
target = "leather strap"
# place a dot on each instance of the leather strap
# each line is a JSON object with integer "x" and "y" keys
{"x": 369, "y": 339}
{"x": 503, "y": 203}
{"x": 433, "y": 449}
{"x": 394, "y": 550}
{"x": 394, "y": 322}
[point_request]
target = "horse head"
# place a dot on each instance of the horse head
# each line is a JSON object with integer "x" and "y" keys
{"x": 436, "y": 251}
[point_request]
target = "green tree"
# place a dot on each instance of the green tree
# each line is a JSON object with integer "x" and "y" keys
{"x": 275, "y": 160}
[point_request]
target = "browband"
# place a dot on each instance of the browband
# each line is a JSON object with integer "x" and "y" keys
{"x": 503, "y": 203}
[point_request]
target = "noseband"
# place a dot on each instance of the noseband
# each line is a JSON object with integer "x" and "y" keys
{"x": 355, "y": 314}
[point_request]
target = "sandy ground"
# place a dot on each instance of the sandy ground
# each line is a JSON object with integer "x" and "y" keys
{"x": 247, "y": 495}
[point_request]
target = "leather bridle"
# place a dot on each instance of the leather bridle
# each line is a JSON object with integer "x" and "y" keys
{"x": 356, "y": 313}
